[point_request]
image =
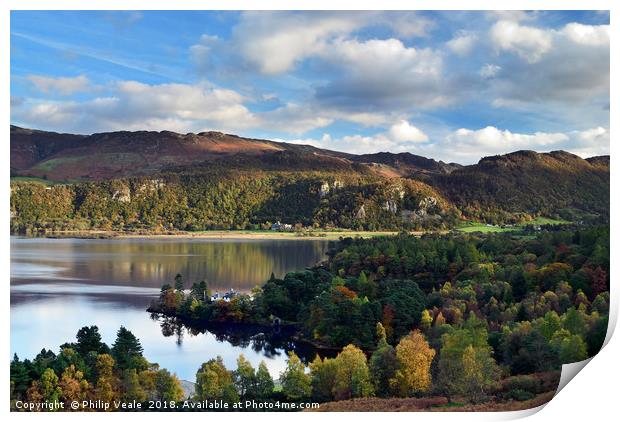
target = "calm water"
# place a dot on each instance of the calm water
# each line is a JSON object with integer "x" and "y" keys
{"x": 60, "y": 285}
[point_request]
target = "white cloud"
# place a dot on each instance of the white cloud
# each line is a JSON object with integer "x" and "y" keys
{"x": 62, "y": 85}
{"x": 190, "y": 102}
{"x": 138, "y": 106}
{"x": 535, "y": 70}
{"x": 404, "y": 131}
{"x": 528, "y": 42}
{"x": 587, "y": 34}
{"x": 467, "y": 146}
{"x": 593, "y": 136}
{"x": 400, "y": 137}
{"x": 463, "y": 43}
{"x": 374, "y": 57}
{"x": 569, "y": 81}
{"x": 491, "y": 138}
{"x": 383, "y": 75}
{"x": 591, "y": 142}
{"x": 276, "y": 41}
{"x": 356, "y": 144}
{"x": 295, "y": 118}
{"x": 364, "y": 119}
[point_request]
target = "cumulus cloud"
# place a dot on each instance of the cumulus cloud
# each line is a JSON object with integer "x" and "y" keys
{"x": 570, "y": 79}
{"x": 400, "y": 137}
{"x": 383, "y": 74}
{"x": 495, "y": 141}
{"x": 590, "y": 142}
{"x": 372, "y": 77}
{"x": 276, "y": 41}
{"x": 528, "y": 42}
{"x": 587, "y": 34}
{"x": 463, "y": 43}
{"x": 137, "y": 106}
{"x": 467, "y": 146}
{"x": 61, "y": 85}
{"x": 404, "y": 131}
{"x": 295, "y": 118}
{"x": 357, "y": 144}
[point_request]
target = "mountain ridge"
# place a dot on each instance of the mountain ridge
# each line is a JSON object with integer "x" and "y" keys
{"x": 109, "y": 155}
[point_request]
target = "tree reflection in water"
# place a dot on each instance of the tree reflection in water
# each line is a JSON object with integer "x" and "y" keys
{"x": 265, "y": 340}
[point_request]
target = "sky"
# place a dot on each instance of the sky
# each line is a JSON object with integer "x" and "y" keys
{"x": 450, "y": 85}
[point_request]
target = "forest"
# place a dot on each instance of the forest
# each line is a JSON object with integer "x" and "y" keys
{"x": 516, "y": 305}
{"x": 206, "y": 201}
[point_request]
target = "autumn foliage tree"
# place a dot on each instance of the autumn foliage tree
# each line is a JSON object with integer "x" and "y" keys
{"x": 414, "y": 357}
{"x": 598, "y": 281}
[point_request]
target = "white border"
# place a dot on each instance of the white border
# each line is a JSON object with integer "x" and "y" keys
{"x": 591, "y": 396}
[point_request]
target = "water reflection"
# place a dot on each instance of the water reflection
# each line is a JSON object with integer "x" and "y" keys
{"x": 240, "y": 264}
{"x": 266, "y": 341}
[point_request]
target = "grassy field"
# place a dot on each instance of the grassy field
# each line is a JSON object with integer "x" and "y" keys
{"x": 32, "y": 180}
{"x": 471, "y": 227}
{"x": 269, "y": 234}
{"x": 221, "y": 234}
{"x": 546, "y": 220}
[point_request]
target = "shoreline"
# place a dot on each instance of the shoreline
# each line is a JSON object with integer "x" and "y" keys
{"x": 293, "y": 329}
{"x": 212, "y": 234}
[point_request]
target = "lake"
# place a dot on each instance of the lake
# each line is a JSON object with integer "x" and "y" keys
{"x": 61, "y": 285}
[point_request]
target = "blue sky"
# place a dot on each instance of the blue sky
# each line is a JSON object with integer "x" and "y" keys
{"x": 454, "y": 86}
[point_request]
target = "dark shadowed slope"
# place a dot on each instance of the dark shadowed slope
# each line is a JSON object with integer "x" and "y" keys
{"x": 28, "y": 146}
{"x": 530, "y": 182}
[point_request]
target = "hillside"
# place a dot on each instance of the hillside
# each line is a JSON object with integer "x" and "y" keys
{"x": 112, "y": 155}
{"x": 555, "y": 183}
{"x": 104, "y": 156}
{"x": 29, "y": 147}
{"x": 211, "y": 180}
